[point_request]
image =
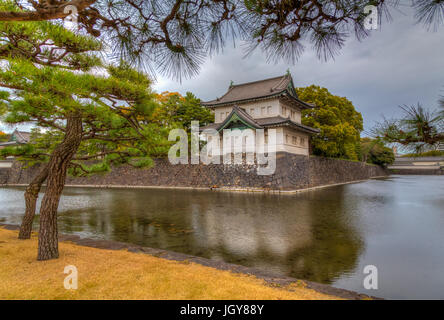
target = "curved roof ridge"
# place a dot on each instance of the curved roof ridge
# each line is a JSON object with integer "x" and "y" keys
{"x": 256, "y": 81}
{"x": 252, "y": 90}
{"x": 284, "y": 82}
{"x": 229, "y": 90}
{"x": 241, "y": 114}
{"x": 22, "y": 136}
{"x": 245, "y": 114}
{"x": 279, "y": 120}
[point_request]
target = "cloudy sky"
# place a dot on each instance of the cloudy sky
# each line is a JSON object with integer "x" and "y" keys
{"x": 400, "y": 63}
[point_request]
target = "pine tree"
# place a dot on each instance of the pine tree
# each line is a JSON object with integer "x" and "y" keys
{"x": 174, "y": 36}
{"x": 419, "y": 129}
{"x": 93, "y": 115}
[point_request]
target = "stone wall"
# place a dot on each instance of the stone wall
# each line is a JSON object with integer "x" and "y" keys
{"x": 4, "y": 175}
{"x": 293, "y": 172}
{"x": 325, "y": 171}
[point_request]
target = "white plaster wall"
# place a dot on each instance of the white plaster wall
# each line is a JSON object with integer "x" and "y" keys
{"x": 257, "y": 110}
{"x": 220, "y": 113}
{"x": 295, "y": 146}
{"x": 286, "y": 110}
{"x": 292, "y": 146}
{"x": 6, "y": 163}
{"x": 262, "y": 109}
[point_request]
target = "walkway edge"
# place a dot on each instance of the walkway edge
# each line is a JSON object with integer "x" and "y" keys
{"x": 220, "y": 189}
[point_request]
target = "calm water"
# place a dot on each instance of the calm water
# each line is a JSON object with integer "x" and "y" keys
{"x": 329, "y": 235}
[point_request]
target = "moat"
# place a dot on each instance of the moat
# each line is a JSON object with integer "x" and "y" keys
{"x": 328, "y": 235}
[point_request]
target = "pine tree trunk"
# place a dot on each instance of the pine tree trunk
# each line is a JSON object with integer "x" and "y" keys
{"x": 31, "y": 195}
{"x": 57, "y": 169}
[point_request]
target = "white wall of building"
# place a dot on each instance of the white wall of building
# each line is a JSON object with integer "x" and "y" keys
{"x": 286, "y": 110}
{"x": 287, "y": 140}
{"x": 261, "y": 109}
{"x": 293, "y": 141}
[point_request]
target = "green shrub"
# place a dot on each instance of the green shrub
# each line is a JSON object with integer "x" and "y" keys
{"x": 375, "y": 152}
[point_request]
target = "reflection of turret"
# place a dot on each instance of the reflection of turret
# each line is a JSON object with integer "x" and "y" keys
{"x": 248, "y": 229}
{"x": 305, "y": 236}
{"x": 336, "y": 246}
{"x": 308, "y": 236}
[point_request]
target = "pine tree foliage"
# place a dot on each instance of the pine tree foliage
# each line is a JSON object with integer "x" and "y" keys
{"x": 418, "y": 130}
{"x": 91, "y": 114}
{"x": 174, "y": 37}
{"x": 51, "y": 73}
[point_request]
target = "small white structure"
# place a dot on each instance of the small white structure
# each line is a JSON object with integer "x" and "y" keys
{"x": 270, "y": 103}
{"x": 17, "y": 138}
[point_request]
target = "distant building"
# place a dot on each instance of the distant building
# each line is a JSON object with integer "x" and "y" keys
{"x": 17, "y": 137}
{"x": 419, "y": 165}
{"x": 437, "y": 147}
{"x": 264, "y": 104}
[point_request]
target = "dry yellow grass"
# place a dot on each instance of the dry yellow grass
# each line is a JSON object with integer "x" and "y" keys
{"x": 109, "y": 274}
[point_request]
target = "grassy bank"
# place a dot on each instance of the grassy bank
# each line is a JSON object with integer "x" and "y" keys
{"x": 111, "y": 274}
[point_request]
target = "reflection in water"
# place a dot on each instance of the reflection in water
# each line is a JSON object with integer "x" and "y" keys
{"x": 325, "y": 236}
{"x": 279, "y": 234}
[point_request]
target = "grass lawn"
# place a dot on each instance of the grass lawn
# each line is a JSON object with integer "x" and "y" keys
{"x": 111, "y": 274}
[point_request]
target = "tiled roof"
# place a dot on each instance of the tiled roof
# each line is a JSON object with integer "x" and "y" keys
{"x": 281, "y": 121}
{"x": 22, "y": 136}
{"x": 243, "y": 115}
{"x": 210, "y": 126}
{"x": 260, "y": 123}
{"x": 277, "y": 86}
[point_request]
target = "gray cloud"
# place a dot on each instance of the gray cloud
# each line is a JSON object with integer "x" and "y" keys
{"x": 401, "y": 63}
